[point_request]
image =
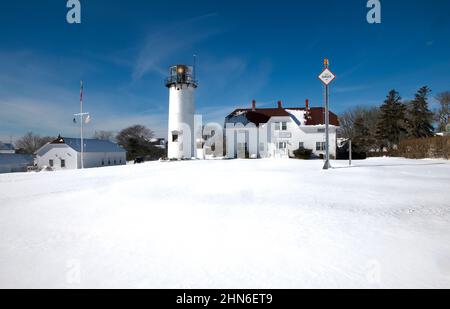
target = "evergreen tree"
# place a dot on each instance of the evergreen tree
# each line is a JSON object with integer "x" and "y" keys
{"x": 392, "y": 122}
{"x": 420, "y": 116}
{"x": 362, "y": 139}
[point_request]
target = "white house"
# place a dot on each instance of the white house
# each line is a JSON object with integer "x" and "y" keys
{"x": 65, "y": 153}
{"x": 278, "y": 132}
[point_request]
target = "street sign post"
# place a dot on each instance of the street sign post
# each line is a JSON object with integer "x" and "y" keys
{"x": 327, "y": 77}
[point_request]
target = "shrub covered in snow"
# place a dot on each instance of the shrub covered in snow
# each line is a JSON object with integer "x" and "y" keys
{"x": 303, "y": 153}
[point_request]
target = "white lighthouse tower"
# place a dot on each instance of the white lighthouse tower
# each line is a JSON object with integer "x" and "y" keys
{"x": 182, "y": 84}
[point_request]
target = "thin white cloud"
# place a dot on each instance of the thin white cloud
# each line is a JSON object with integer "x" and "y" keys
{"x": 47, "y": 118}
{"x": 24, "y": 114}
{"x": 164, "y": 44}
{"x": 348, "y": 89}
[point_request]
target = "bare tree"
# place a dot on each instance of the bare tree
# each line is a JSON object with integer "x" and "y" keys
{"x": 30, "y": 142}
{"x": 369, "y": 115}
{"x": 443, "y": 113}
{"x": 137, "y": 141}
{"x": 136, "y": 134}
{"x": 104, "y": 135}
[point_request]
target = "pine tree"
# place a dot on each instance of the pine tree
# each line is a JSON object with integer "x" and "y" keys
{"x": 392, "y": 122}
{"x": 362, "y": 139}
{"x": 420, "y": 116}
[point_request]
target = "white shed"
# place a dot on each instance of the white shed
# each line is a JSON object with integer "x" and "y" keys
{"x": 65, "y": 153}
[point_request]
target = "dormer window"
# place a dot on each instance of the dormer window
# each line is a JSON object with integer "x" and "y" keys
{"x": 281, "y": 126}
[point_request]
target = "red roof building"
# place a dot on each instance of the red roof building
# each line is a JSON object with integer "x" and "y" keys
{"x": 281, "y": 131}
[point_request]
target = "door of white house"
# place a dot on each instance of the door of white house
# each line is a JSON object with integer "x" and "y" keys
{"x": 282, "y": 151}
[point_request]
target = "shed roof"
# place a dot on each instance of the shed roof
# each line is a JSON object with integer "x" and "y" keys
{"x": 90, "y": 145}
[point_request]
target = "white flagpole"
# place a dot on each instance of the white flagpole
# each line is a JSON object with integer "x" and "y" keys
{"x": 81, "y": 124}
{"x": 81, "y": 115}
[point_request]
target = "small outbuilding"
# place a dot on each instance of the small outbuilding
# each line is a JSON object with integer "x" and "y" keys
{"x": 15, "y": 163}
{"x": 65, "y": 153}
{"x": 7, "y": 148}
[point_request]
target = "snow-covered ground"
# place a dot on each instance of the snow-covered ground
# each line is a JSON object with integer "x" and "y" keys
{"x": 229, "y": 224}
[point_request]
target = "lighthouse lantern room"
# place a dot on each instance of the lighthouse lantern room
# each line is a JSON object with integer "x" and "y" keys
{"x": 182, "y": 84}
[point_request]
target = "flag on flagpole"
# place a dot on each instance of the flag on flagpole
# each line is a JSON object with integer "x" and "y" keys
{"x": 75, "y": 120}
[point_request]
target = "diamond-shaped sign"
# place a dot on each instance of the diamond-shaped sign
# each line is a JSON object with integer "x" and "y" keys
{"x": 327, "y": 77}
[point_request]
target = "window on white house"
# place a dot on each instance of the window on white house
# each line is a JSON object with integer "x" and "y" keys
{"x": 301, "y": 145}
{"x": 63, "y": 163}
{"x": 262, "y": 147}
{"x": 277, "y": 126}
{"x": 282, "y": 145}
{"x": 51, "y": 163}
{"x": 320, "y": 146}
{"x": 321, "y": 130}
{"x": 280, "y": 126}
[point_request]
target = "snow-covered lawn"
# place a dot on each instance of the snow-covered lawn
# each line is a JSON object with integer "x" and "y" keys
{"x": 229, "y": 224}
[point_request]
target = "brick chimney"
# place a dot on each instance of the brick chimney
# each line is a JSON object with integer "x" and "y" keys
{"x": 307, "y": 104}
{"x": 280, "y": 104}
{"x": 254, "y": 105}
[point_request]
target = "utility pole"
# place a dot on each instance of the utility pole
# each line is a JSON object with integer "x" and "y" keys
{"x": 81, "y": 115}
{"x": 327, "y": 77}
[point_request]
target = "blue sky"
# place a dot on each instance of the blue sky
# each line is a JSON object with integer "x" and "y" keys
{"x": 248, "y": 49}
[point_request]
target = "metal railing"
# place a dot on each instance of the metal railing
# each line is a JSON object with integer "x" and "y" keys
{"x": 180, "y": 79}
